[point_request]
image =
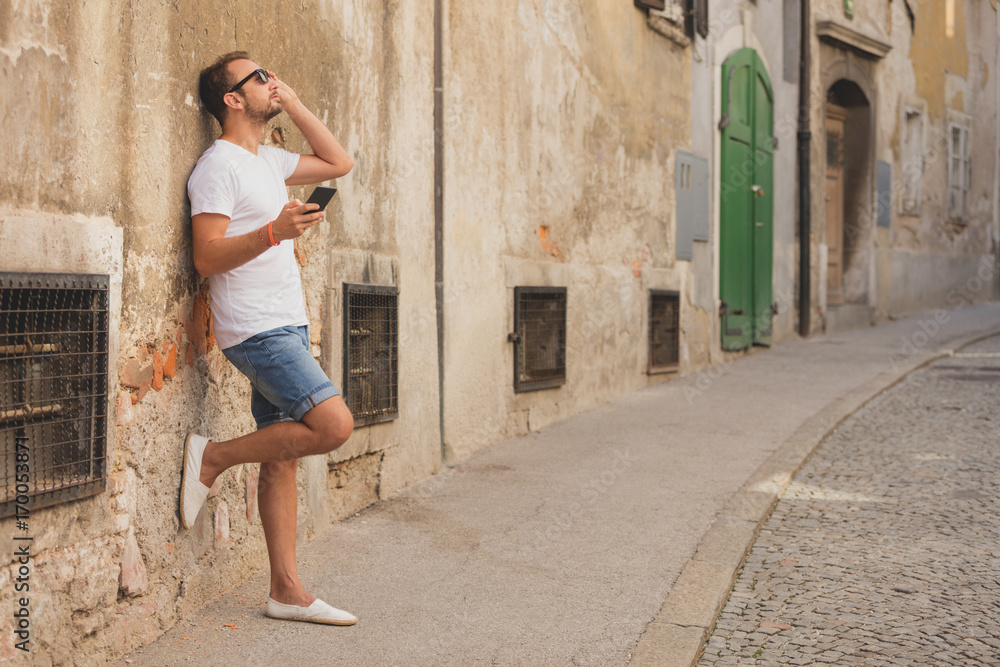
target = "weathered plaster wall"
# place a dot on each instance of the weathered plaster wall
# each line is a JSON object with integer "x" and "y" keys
{"x": 101, "y": 102}
{"x": 561, "y": 123}
{"x": 941, "y": 63}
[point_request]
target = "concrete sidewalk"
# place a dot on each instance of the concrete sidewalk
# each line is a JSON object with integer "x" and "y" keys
{"x": 608, "y": 538}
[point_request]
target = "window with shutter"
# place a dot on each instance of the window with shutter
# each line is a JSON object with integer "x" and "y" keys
{"x": 697, "y": 18}
{"x": 959, "y": 172}
{"x": 913, "y": 161}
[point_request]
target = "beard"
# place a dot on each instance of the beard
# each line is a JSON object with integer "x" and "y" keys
{"x": 261, "y": 112}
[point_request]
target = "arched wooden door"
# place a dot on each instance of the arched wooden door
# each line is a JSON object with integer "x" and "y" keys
{"x": 746, "y": 209}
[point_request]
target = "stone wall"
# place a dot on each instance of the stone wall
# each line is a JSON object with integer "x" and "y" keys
{"x": 102, "y": 105}
{"x": 560, "y": 150}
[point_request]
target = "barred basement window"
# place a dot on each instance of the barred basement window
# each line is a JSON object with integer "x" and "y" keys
{"x": 53, "y": 387}
{"x": 539, "y": 338}
{"x": 370, "y": 353}
{"x": 664, "y": 331}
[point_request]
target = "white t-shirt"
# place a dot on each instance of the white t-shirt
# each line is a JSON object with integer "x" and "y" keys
{"x": 266, "y": 292}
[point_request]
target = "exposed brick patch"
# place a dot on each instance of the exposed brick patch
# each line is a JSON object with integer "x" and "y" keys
{"x": 300, "y": 255}
{"x": 201, "y": 534}
{"x": 199, "y": 326}
{"x": 124, "y": 413}
{"x": 170, "y": 364}
{"x": 118, "y": 482}
{"x": 215, "y": 367}
{"x": 133, "y": 580}
{"x": 157, "y": 371}
{"x": 130, "y": 374}
{"x": 548, "y": 247}
{"x": 135, "y": 624}
{"x": 221, "y": 523}
{"x": 143, "y": 388}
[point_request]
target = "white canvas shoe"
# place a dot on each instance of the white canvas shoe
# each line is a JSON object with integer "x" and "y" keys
{"x": 193, "y": 492}
{"x": 317, "y": 612}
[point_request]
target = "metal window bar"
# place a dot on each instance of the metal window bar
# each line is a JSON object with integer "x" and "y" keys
{"x": 540, "y": 344}
{"x": 371, "y": 347}
{"x": 664, "y": 331}
{"x": 53, "y": 385}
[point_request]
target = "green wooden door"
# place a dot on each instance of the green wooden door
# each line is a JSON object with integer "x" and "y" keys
{"x": 746, "y": 240}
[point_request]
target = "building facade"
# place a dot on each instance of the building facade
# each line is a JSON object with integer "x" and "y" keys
{"x": 552, "y": 205}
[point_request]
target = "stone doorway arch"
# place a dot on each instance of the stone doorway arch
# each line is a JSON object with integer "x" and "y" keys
{"x": 848, "y": 88}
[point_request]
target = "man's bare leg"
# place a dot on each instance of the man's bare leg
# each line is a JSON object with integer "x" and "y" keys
{"x": 277, "y": 501}
{"x": 277, "y": 448}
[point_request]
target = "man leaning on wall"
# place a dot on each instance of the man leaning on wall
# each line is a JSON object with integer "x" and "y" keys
{"x": 243, "y": 228}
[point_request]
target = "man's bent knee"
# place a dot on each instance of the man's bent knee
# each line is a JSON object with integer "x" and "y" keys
{"x": 340, "y": 429}
{"x": 332, "y": 422}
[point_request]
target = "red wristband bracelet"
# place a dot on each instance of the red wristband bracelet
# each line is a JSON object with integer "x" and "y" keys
{"x": 270, "y": 233}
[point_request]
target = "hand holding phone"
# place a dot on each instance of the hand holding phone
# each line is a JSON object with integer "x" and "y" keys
{"x": 322, "y": 196}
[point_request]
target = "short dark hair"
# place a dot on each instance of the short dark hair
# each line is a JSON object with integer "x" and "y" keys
{"x": 215, "y": 81}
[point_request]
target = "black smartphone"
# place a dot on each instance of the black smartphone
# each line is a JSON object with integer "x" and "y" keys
{"x": 322, "y": 196}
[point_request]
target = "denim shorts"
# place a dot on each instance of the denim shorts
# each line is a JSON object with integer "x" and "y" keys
{"x": 287, "y": 382}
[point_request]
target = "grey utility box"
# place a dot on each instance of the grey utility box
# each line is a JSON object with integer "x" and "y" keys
{"x": 691, "y": 185}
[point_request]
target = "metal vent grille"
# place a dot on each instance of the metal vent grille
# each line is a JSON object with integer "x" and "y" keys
{"x": 664, "y": 331}
{"x": 371, "y": 345}
{"x": 540, "y": 340}
{"x": 53, "y": 386}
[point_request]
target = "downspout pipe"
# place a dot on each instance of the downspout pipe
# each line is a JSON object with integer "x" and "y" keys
{"x": 439, "y": 208}
{"x": 996, "y": 160}
{"x": 804, "y": 140}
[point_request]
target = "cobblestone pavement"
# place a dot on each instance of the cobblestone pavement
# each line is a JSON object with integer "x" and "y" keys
{"x": 885, "y": 549}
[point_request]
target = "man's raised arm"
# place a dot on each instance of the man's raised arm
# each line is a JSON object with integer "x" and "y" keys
{"x": 330, "y": 159}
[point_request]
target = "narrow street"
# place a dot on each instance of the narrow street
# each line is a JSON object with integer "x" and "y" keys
{"x": 613, "y": 537}
{"x": 885, "y": 550}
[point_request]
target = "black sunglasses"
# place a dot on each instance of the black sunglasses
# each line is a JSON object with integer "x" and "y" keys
{"x": 264, "y": 78}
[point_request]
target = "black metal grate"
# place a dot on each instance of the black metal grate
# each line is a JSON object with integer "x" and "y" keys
{"x": 540, "y": 341}
{"x": 371, "y": 344}
{"x": 664, "y": 331}
{"x": 53, "y": 386}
